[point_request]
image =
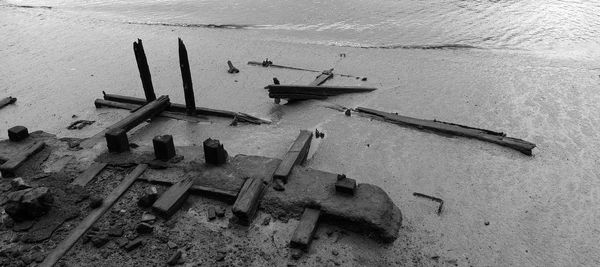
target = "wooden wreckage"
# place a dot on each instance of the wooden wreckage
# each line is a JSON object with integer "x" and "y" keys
{"x": 282, "y": 187}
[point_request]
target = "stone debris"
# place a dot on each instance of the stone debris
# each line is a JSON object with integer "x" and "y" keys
{"x": 28, "y": 203}
{"x": 116, "y": 231}
{"x": 148, "y": 218}
{"x": 174, "y": 259}
{"x": 19, "y": 184}
{"x": 171, "y": 245}
{"x": 220, "y": 211}
{"x": 134, "y": 244}
{"x": 211, "y": 213}
{"x": 149, "y": 198}
{"x": 144, "y": 228}
{"x": 96, "y": 202}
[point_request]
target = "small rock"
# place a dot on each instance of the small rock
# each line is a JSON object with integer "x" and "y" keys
{"x": 38, "y": 257}
{"x": 364, "y": 79}
{"x": 171, "y": 245}
{"x": 28, "y": 203}
{"x": 334, "y": 253}
{"x": 297, "y": 254}
{"x": 100, "y": 240}
{"x": 211, "y": 213}
{"x": 220, "y": 212}
{"x": 329, "y": 232}
{"x": 134, "y": 244}
{"x": 122, "y": 242}
{"x": 96, "y": 202}
{"x": 174, "y": 259}
{"x": 266, "y": 221}
{"x": 278, "y": 185}
{"x": 487, "y": 223}
{"x": 144, "y": 228}
{"x": 347, "y": 112}
{"x": 116, "y": 231}
{"x": 148, "y": 218}
{"x": 221, "y": 256}
{"x": 22, "y": 226}
{"x": 19, "y": 184}
{"x": 148, "y": 198}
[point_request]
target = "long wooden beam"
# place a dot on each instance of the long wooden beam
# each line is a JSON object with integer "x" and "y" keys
{"x": 146, "y": 112}
{"x": 453, "y": 129}
{"x": 317, "y": 90}
{"x": 92, "y": 217}
{"x": 296, "y": 155}
{"x": 133, "y": 107}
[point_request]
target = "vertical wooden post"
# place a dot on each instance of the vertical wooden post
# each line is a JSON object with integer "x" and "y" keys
{"x": 188, "y": 89}
{"x": 142, "y": 62}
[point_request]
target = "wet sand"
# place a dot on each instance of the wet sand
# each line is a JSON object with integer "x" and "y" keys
{"x": 541, "y": 210}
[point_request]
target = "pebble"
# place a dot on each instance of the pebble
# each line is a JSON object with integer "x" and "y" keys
{"x": 266, "y": 221}
{"x": 220, "y": 212}
{"x": 96, "y": 202}
{"x": 171, "y": 245}
{"x": 211, "y": 213}
{"x": 174, "y": 259}
{"x": 144, "y": 228}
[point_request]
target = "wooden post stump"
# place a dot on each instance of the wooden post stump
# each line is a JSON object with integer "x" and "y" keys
{"x": 188, "y": 88}
{"x": 214, "y": 153}
{"x": 142, "y": 62}
{"x": 164, "y": 149}
{"x": 116, "y": 140}
{"x": 17, "y": 133}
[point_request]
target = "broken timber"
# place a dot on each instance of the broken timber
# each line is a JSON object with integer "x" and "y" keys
{"x": 179, "y": 108}
{"x": 142, "y": 62}
{"x": 256, "y": 63}
{"x": 306, "y": 228}
{"x": 315, "y": 91}
{"x": 296, "y": 155}
{"x": 9, "y": 167}
{"x": 172, "y": 199}
{"x": 93, "y": 216}
{"x": 324, "y": 76}
{"x": 146, "y": 112}
{"x": 89, "y": 174}
{"x": 132, "y": 107}
{"x": 246, "y": 204}
{"x": 7, "y": 101}
{"x": 186, "y": 76}
{"x": 453, "y": 129}
{"x": 436, "y": 199}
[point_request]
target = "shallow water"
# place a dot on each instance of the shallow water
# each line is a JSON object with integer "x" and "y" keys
{"x": 570, "y": 27}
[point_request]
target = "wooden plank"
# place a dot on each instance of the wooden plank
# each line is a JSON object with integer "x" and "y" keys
{"x": 7, "y": 101}
{"x": 296, "y": 155}
{"x": 92, "y": 217}
{"x": 316, "y": 90}
{"x": 453, "y": 129}
{"x": 188, "y": 88}
{"x": 165, "y": 114}
{"x": 297, "y": 96}
{"x": 172, "y": 199}
{"x": 9, "y": 167}
{"x": 306, "y": 228}
{"x": 146, "y": 112}
{"x": 84, "y": 178}
{"x": 246, "y": 204}
{"x": 179, "y": 108}
{"x": 142, "y": 62}
{"x": 321, "y": 78}
{"x": 221, "y": 194}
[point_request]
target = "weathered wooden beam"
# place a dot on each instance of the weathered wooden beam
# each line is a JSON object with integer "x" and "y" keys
{"x": 306, "y": 228}
{"x": 85, "y": 177}
{"x": 453, "y": 129}
{"x": 7, "y": 101}
{"x": 9, "y": 167}
{"x": 242, "y": 117}
{"x": 246, "y": 204}
{"x": 142, "y": 62}
{"x": 317, "y": 90}
{"x": 165, "y": 114}
{"x": 321, "y": 78}
{"x": 297, "y": 96}
{"x": 188, "y": 88}
{"x": 296, "y": 155}
{"x": 172, "y": 199}
{"x": 64, "y": 246}
{"x": 146, "y": 112}
{"x": 215, "y": 193}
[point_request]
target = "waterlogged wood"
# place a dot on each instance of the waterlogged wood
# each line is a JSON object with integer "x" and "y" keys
{"x": 142, "y": 62}
{"x": 188, "y": 88}
{"x": 246, "y": 204}
{"x": 317, "y": 90}
{"x": 146, "y": 112}
{"x": 7, "y": 101}
{"x": 166, "y": 114}
{"x": 9, "y": 167}
{"x": 84, "y": 178}
{"x": 92, "y": 217}
{"x": 454, "y": 129}
{"x": 306, "y": 228}
{"x": 297, "y": 96}
{"x": 172, "y": 199}
{"x": 296, "y": 155}
{"x": 323, "y": 77}
{"x": 242, "y": 117}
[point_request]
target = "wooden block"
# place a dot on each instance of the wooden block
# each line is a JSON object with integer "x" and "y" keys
{"x": 246, "y": 204}
{"x": 17, "y": 133}
{"x": 214, "y": 153}
{"x": 164, "y": 148}
{"x": 89, "y": 174}
{"x": 171, "y": 200}
{"x": 8, "y": 168}
{"x": 296, "y": 155}
{"x": 116, "y": 140}
{"x": 306, "y": 228}
{"x": 346, "y": 186}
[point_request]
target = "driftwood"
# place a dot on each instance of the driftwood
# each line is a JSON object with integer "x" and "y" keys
{"x": 7, "y": 101}
{"x": 296, "y": 155}
{"x": 313, "y": 91}
{"x": 93, "y": 216}
{"x": 142, "y": 62}
{"x": 186, "y": 76}
{"x": 133, "y": 107}
{"x": 271, "y": 65}
{"x": 453, "y": 129}
{"x": 179, "y": 108}
{"x": 324, "y": 76}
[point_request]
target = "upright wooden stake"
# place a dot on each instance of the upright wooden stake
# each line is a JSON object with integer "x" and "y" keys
{"x": 188, "y": 89}
{"x": 142, "y": 62}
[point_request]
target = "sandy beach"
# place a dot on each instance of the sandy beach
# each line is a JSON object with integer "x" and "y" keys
{"x": 501, "y": 207}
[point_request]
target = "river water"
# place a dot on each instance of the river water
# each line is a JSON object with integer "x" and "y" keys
{"x": 567, "y": 27}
